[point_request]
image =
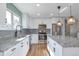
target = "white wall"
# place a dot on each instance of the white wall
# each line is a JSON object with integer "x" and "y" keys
{"x": 2, "y": 13}
{"x": 3, "y": 25}
{"x": 25, "y": 20}
{"x": 34, "y": 22}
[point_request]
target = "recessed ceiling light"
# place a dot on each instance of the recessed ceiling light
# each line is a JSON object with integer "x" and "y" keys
{"x": 38, "y": 14}
{"x": 37, "y": 5}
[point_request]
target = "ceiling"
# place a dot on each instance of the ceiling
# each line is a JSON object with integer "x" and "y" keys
{"x": 47, "y": 10}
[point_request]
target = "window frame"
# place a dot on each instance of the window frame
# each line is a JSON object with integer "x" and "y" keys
{"x": 13, "y": 20}
{"x": 12, "y": 13}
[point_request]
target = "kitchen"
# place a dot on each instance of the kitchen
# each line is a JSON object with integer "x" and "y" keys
{"x": 39, "y": 29}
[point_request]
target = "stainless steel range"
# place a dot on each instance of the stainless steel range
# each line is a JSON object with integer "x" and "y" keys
{"x": 42, "y": 33}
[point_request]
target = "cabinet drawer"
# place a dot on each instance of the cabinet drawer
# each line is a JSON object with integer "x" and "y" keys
{"x": 10, "y": 51}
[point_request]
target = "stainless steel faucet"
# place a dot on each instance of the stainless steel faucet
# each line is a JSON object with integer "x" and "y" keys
{"x": 16, "y": 32}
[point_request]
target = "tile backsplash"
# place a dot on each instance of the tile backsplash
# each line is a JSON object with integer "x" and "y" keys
{"x": 24, "y": 31}
{"x": 34, "y": 31}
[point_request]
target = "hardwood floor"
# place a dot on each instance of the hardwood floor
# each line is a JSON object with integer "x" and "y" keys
{"x": 38, "y": 50}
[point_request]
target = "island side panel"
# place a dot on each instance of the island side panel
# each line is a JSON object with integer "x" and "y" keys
{"x": 71, "y": 51}
{"x": 58, "y": 49}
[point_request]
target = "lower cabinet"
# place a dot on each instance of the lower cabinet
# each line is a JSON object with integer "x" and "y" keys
{"x": 53, "y": 47}
{"x": 20, "y": 49}
{"x": 11, "y": 52}
{"x": 34, "y": 38}
{"x": 56, "y": 49}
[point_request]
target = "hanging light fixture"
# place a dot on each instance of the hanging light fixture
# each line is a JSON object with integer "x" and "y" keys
{"x": 59, "y": 23}
{"x": 71, "y": 19}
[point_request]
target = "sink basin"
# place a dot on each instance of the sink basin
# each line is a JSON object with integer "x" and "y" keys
{"x": 27, "y": 35}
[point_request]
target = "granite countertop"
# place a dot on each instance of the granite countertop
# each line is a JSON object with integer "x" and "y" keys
{"x": 66, "y": 41}
{"x": 9, "y": 42}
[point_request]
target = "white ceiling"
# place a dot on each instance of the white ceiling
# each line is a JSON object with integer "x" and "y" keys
{"x": 45, "y": 9}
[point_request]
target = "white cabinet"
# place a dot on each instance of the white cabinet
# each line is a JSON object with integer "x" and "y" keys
{"x": 20, "y": 49}
{"x": 23, "y": 47}
{"x": 49, "y": 47}
{"x": 57, "y": 49}
{"x": 53, "y": 47}
{"x": 11, "y": 52}
{"x": 34, "y": 39}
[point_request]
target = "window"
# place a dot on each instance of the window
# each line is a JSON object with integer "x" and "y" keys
{"x": 8, "y": 18}
{"x": 12, "y": 19}
{"x": 15, "y": 21}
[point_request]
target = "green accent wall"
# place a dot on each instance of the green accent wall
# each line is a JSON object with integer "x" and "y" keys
{"x": 11, "y": 7}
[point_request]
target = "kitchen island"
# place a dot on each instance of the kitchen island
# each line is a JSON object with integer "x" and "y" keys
{"x": 63, "y": 45}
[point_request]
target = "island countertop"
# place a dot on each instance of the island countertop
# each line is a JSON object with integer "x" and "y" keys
{"x": 66, "y": 41}
{"x": 7, "y": 43}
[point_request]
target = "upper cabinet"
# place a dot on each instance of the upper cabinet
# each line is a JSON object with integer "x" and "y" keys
{"x": 25, "y": 21}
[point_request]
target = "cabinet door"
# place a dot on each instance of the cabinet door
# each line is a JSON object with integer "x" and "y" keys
{"x": 20, "y": 49}
{"x": 57, "y": 49}
{"x": 11, "y": 52}
{"x": 50, "y": 42}
{"x": 24, "y": 46}
{"x": 54, "y": 47}
{"x": 49, "y": 46}
{"x": 34, "y": 38}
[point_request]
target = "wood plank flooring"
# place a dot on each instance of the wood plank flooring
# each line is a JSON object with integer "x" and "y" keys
{"x": 38, "y": 50}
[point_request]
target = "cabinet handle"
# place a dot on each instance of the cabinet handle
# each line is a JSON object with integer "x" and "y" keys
{"x": 27, "y": 42}
{"x": 54, "y": 43}
{"x": 53, "y": 49}
{"x": 48, "y": 41}
{"x": 22, "y": 45}
{"x": 13, "y": 49}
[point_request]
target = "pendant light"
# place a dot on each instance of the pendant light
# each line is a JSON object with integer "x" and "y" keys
{"x": 59, "y": 22}
{"x": 71, "y": 19}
